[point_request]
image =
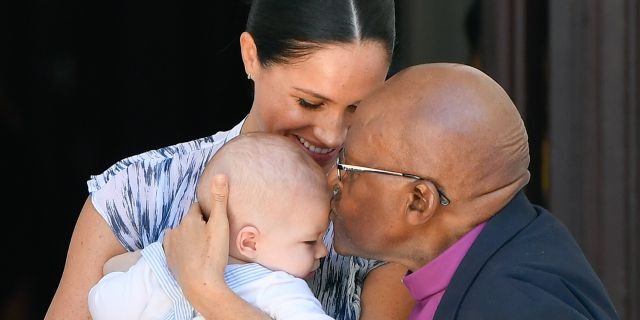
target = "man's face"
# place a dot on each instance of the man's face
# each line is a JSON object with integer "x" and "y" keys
{"x": 367, "y": 208}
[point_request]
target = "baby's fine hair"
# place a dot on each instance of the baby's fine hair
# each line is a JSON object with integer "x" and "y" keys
{"x": 260, "y": 167}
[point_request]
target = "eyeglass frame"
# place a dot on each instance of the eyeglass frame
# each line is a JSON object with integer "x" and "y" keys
{"x": 444, "y": 200}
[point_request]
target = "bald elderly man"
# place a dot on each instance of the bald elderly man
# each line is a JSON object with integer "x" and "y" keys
{"x": 431, "y": 177}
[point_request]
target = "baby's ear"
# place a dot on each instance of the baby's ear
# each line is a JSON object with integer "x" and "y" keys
{"x": 246, "y": 241}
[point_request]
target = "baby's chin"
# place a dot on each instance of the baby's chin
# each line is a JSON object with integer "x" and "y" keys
{"x": 309, "y": 275}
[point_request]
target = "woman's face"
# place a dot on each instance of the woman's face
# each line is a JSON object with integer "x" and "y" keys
{"x": 312, "y": 100}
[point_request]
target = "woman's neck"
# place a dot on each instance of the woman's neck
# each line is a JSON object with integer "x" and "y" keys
{"x": 246, "y": 125}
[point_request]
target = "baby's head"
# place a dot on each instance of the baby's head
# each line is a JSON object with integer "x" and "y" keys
{"x": 278, "y": 202}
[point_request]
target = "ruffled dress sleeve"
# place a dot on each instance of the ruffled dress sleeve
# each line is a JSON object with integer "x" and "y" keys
{"x": 143, "y": 195}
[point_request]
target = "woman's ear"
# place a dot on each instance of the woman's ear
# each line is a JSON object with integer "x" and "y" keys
{"x": 422, "y": 203}
{"x": 249, "y": 53}
{"x": 246, "y": 241}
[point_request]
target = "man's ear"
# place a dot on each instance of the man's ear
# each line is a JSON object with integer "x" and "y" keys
{"x": 422, "y": 203}
{"x": 246, "y": 241}
{"x": 249, "y": 53}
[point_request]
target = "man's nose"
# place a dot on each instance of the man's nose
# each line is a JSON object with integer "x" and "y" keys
{"x": 332, "y": 177}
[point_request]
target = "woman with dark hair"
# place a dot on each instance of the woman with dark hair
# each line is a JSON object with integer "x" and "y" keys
{"x": 311, "y": 63}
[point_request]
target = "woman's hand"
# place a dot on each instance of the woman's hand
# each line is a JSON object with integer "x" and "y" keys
{"x": 197, "y": 251}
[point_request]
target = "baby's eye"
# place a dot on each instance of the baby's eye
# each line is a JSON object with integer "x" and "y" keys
{"x": 311, "y": 243}
{"x": 308, "y": 105}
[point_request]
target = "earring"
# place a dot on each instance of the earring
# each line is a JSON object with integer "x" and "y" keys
{"x": 249, "y": 76}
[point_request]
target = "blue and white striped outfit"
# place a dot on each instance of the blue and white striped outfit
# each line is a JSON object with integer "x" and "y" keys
{"x": 147, "y": 291}
{"x": 143, "y": 195}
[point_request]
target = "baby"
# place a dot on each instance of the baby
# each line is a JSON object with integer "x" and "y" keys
{"x": 278, "y": 213}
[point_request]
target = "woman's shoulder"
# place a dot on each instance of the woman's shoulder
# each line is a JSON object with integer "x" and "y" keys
{"x": 202, "y": 148}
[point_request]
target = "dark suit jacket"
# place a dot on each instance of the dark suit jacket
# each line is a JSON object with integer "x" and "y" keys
{"x": 525, "y": 265}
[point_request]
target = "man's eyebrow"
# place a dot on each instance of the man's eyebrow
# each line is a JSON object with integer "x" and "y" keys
{"x": 315, "y": 94}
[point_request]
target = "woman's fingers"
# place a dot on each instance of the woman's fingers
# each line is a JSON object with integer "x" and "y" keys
{"x": 218, "y": 225}
{"x": 220, "y": 195}
{"x": 194, "y": 214}
{"x": 197, "y": 251}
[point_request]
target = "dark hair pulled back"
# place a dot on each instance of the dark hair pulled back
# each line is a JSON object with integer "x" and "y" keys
{"x": 287, "y": 30}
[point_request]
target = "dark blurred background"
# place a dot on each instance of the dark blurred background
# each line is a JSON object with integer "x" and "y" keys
{"x": 85, "y": 84}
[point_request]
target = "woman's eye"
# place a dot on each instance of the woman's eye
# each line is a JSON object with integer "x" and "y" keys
{"x": 352, "y": 108}
{"x": 308, "y": 105}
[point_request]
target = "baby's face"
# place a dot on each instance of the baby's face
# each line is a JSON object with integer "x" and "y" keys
{"x": 295, "y": 245}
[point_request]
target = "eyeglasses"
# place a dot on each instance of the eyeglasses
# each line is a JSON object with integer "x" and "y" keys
{"x": 341, "y": 166}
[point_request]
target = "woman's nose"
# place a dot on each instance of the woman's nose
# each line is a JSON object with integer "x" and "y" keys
{"x": 331, "y": 129}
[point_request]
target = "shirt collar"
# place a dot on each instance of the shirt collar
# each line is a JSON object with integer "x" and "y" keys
{"x": 235, "y": 131}
{"x": 434, "y": 277}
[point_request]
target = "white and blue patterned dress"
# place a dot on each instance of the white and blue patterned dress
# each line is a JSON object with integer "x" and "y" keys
{"x": 143, "y": 195}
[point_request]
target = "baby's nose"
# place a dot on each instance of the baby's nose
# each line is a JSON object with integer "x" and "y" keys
{"x": 322, "y": 251}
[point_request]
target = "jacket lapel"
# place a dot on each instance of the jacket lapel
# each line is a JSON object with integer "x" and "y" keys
{"x": 499, "y": 230}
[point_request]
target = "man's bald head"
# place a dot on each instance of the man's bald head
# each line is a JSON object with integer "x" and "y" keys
{"x": 453, "y": 124}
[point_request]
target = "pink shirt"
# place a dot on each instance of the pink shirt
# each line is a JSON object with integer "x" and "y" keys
{"x": 428, "y": 284}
